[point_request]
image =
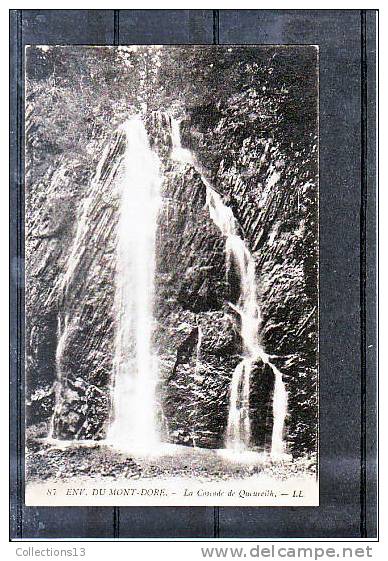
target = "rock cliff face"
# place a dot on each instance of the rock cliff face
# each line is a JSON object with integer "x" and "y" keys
{"x": 71, "y": 324}
{"x": 195, "y": 323}
{"x": 276, "y": 207}
{"x": 196, "y": 335}
{"x": 196, "y": 339}
{"x": 85, "y": 295}
{"x": 270, "y": 183}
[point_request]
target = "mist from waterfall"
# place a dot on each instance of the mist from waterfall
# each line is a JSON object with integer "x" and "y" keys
{"x": 135, "y": 363}
{"x": 238, "y": 432}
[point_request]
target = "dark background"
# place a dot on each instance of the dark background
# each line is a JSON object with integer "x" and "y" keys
{"x": 346, "y": 39}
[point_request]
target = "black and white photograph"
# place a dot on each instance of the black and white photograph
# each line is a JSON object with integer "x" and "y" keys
{"x": 171, "y": 275}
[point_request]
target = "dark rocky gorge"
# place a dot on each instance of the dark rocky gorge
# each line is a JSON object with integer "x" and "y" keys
{"x": 269, "y": 180}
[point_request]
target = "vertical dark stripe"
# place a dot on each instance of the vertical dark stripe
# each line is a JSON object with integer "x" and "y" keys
{"x": 216, "y": 522}
{"x": 16, "y": 274}
{"x": 116, "y": 522}
{"x": 216, "y": 27}
{"x": 19, "y": 272}
{"x": 363, "y": 249}
{"x": 116, "y": 27}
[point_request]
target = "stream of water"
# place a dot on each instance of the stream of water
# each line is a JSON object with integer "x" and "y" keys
{"x": 135, "y": 363}
{"x": 238, "y": 433}
{"x": 133, "y": 422}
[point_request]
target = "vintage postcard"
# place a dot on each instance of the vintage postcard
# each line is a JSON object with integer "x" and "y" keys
{"x": 171, "y": 214}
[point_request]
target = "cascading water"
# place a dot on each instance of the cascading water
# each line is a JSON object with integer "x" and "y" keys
{"x": 135, "y": 363}
{"x": 280, "y": 403}
{"x": 197, "y": 376}
{"x": 238, "y": 433}
{"x": 62, "y": 332}
{"x": 133, "y": 420}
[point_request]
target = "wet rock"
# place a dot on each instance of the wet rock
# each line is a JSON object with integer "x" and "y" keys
{"x": 83, "y": 296}
{"x": 271, "y": 188}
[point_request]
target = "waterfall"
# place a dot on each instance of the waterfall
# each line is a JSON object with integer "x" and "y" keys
{"x": 62, "y": 333}
{"x": 197, "y": 376}
{"x": 238, "y": 432}
{"x": 279, "y": 413}
{"x": 134, "y": 415}
{"x": 135, "y": 363}
{"x": 198, "y": 351}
